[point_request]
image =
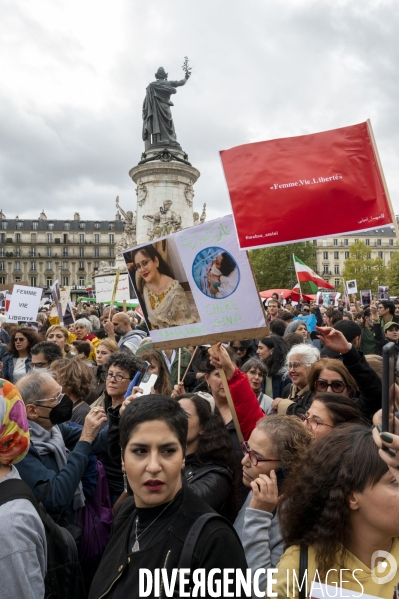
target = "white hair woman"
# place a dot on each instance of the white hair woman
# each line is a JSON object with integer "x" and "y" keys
{"x": 83, "y": 332}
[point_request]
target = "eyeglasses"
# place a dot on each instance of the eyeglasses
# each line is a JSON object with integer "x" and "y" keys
{"x": 20, "y": 339}
{"x": 39, "y": 364}
{"x": 239, "y": 349}
{"x": 142, "y": 264}
{"x": 118, "y": 377}
{"x": 312, "y": 422}
{"x": 253, "y": 457}
{"x": 294, "y": 365}
{"x": 58, "y": 398}
{"x": 306, "y": 311}
{"x": 336, "y": 386}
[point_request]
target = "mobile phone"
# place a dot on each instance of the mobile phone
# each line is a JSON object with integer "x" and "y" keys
{"x": 147, "y": 382}
{"x": 388, "y": 388}
{"x": 137, "y": 378}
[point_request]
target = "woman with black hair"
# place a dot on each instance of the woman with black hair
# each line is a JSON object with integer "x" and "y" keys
{"x": 273, "y": 351}
{"x": 149, "y": 530}
{"x": 17, "y": 360}
{"x": 165, "y": 301}
{"x": 244, "y": 349}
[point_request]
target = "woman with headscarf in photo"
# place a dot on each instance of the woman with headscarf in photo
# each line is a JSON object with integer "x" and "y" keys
{"x": 23, "y": 540}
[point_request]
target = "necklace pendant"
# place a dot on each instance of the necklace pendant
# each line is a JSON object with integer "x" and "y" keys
{"x": 136, "y": 546}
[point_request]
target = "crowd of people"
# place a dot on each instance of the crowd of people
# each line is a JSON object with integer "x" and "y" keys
{"x": 299, "y": 471}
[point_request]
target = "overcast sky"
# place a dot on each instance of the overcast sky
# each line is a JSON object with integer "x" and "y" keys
{"x": 74, "y": 74}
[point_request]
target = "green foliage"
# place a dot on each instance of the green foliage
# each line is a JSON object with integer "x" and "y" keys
{"x": 274, "y": 267}
{"x": 368, "y": 272}
{"x": 392, "y": 274}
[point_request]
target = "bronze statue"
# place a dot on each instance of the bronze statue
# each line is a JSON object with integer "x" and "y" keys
{"x": 158, "y": 127}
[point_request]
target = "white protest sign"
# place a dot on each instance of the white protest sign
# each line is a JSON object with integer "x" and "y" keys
{"x": 105, "y": 287}
{"x": 196, "y": 284}
{"x": 351, "y": 286}
{"x": 24, "y": 304}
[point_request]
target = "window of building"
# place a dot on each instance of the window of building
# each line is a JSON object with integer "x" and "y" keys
{"x": 50, "y": 226}
{"x": 33, "y": 281}
{"x": 96, "y": 238}
{"x": 49, "y": 252}
{"x": 314, "y": 241}
{"x": 367, "y": 241}
{"x": 33, "y": 265}
{"x": 346, "y": 241}
{"x": 2, "y": 237}
{"x": 65, "y": 252}
{"x": 17, "y": 237}
{"x": 35, "y": 225}
{"x": 390, "y": 254}
{"x": 67, "y": 226}
{"x": 336, "y": 255}
{"x": 111, "y": 238}
{"x": 17, "y": 265}
{"x": 96, "y": 252}
{"x": 2, "y": 266}
{"x": 17, "y": 279}
{"x": 81, "y": 237}
{"x": 336, "y": 269}
{"x": 81, "y": 281}
{"x": 111, "y": 264}
{"x": 2, "y": 280}
{"x": 65, "y": 280}
{"x": 111, "y": 252}
{"x": 19, "y": 225}
{"x": 2, "y": 252}
{"x": 111, "y": 226}
{"x": 380, "y": 254}
{"x": 96, "y": 225}
{"x": 49, "y": 266}
{"x": 391, "y": 242}
{"x": 368, "y": 256}
{"x": 96, "y": 265}
{"x": 81, "y": 252}
{"x": 81, "y": 265}
{"x": 3, "y": 224}
{"x": 82, "y": 226}
{"x": 325, "y": 255}
{"x": 325, "y": 269}
{"x": 65, "y": 238}
{"x": 337, "y": 282}
{"x": 32, "y": 252}
{"x": 346, "y": 255}
{"x": 356, "y": 241}
{"x": 378, "y": 241}
{"x": 33, "y": 237}
{"x": 335, "y": 241}
{"x": 65, "y": 266}
{"x": 49, "y": 238}
{"x": 49, "y": 281}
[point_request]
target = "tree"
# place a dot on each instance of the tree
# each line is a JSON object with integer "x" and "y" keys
{"x": 368, "y": 272}
{"x": 392, "y": 275}
{"x": 274, "y": 267}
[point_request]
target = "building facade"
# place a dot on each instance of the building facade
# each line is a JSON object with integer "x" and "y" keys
{"x": 332, "y": 252}
{"x": 43, "y": 250}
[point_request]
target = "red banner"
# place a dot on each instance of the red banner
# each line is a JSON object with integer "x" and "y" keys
{"x": 300, "y": 188}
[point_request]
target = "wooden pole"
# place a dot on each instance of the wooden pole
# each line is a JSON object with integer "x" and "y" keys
{"x": 178, "y": 365}
{"x": 189, "y": 364}
{"x": 124, "y": 306}
{"x": 114, "y": 290}
{"x": 384, "y": 183}
{"x": 229, "y": 399}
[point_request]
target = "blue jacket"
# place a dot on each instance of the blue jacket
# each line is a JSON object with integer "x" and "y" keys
{"x": 36, "y": 470}
{"x": 8, "y": 366}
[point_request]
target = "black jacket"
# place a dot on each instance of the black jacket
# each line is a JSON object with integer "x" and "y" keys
{"x": 381, "y": 340}
{"x": 368, "y": 381}
{"x": 217, "y": 547}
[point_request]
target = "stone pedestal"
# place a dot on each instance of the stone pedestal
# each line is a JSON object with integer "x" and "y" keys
{"x": 165, "y": 193}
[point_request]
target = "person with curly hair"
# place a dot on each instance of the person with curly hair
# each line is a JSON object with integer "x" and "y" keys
{"x": 341, "y": 506}
{"x": 17, "y": 360}
{"x": 77, "y": 381}
{"x": 275, "y": 445}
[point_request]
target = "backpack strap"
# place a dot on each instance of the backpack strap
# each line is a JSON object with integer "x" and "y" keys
{"x": 303, "y": 566}
{"x": 17, "y": 489}
{"x": 186, "y": 555}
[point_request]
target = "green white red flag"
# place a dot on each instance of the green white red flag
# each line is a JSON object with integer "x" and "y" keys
{"x": 306, "y": 274}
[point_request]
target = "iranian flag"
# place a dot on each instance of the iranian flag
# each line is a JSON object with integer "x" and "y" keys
{"x": 304, "y": 273}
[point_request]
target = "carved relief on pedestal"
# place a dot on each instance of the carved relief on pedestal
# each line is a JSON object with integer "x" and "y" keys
{"x": 164, "y": 222}
{"x": 203, "y": 214}
{"x": 189, "y": 194}
{"x": 128, "y": 238}
{"x": 141, "y": 192}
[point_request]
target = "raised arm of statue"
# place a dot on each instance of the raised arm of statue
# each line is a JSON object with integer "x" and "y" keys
{"x": 148, "y": 217}
{"x": 181, "y": 82}
{"x": 125, "y": 216}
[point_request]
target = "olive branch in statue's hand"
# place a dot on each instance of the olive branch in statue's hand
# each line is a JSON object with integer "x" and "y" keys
{"x": 186, "y": 68}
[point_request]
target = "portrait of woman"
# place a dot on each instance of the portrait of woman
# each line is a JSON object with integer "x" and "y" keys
{"x": 163, "y": 300}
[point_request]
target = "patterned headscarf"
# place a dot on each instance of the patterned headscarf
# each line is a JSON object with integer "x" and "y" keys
{"x": 14, "y": 433}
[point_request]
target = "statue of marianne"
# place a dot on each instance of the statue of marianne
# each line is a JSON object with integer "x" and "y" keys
{"x": 158, "y": 124}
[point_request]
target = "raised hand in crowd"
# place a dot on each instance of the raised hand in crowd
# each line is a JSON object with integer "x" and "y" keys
{"x": 109, "y": 329}
{"x": 136, "y": 392}
{"x": 221, "y": 359}
{"x": 177, "y": 390}
{"x": 333, "y": 339}
{"x": 390, "y": 441}
{"x": 264, "y": 493}
{"x": 93, "y": 422}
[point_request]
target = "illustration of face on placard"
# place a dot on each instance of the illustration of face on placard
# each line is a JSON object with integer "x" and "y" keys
{"x": 215, "y": 272}
{"x": 161, "y": 285}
